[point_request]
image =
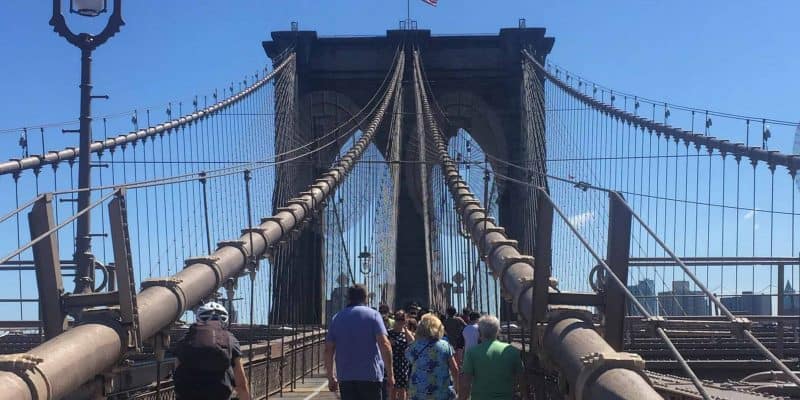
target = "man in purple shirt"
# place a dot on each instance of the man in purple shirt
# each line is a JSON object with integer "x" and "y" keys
{"x": 357, "y": 338}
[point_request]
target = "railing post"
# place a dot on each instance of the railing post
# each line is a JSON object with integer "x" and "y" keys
{"x": 619, "y": 243}
{"x": 781, "y": 310}
{"x": 48, "y": 267}
{"x": 781, "y": 277}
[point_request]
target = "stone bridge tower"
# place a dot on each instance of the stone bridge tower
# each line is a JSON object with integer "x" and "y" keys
{"x": 477, "y": 81}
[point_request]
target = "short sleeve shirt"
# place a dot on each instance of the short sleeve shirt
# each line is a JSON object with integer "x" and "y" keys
{"x": 470, "y": 334}
{"x": 430, "y": 370}
{"x": 493, "y": 366}
{"x": 354, "y": 331}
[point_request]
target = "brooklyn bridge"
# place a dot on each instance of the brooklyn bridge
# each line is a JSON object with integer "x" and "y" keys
{"x": 633, "y": 249}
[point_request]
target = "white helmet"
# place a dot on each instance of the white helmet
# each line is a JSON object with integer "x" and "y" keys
{"x": 212, "y": 311}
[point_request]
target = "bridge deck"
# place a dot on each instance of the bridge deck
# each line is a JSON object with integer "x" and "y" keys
{"x": 315, "y": 387}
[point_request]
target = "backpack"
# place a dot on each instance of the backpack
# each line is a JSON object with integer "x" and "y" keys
{"x": 206, "y": 347}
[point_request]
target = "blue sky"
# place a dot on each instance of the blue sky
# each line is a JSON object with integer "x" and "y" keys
{"x": 738, "y": 57}
{"x": 733, "y": 56}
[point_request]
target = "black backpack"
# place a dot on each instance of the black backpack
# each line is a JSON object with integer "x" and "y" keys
{"x": 206, "y": 347}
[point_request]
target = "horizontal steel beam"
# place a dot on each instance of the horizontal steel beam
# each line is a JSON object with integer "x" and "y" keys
{"x": 713, "y": 261}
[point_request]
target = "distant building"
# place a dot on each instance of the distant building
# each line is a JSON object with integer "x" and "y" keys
{"x": 645, "y": 293}
{"x": 682, "y": 301}
{"x": 791, "y": 300}
{"x": 749, "y": 304}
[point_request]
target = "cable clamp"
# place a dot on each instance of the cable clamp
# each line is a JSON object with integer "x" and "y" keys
{"x": 321, "y": 185}
{"x": 482, "y": 239}
{"x": 290, "y": 210}
{"x": 310, "y": 194}
{"x": 277, "y": 221}
{"x": 19, "y": 362}
{"x": 595, "y": 364}
{"x": 258, "y": 231}
{"x": 26, "y": 366}
{"x": 172, "y": 284}
{"x": 526, "y": 283}
{"x": 209, "y": 261}
{"x": 493, "y": 246}
{"x": 238, "y": 244}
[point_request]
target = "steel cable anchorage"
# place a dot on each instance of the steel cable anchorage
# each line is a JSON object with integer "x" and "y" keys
{"x": 592, "y": 368}
{"x": 97, "y": 346}
{"x": 53, "y": 157}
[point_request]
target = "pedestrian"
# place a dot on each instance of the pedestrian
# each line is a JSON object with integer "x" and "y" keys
{"x": 358, "y": 340}
{"x": 388, "y": 322}
{"x": 433, "y": 366}
{"x": 465, "y": 312}
{"x": 470, "y": 333}
{"x": 412, "y": 325}
{"x": 209, "y": 363}
{"x": 453, "y": 327}
{"x": 400, "y": 336}
{"x": 492, "y": 368}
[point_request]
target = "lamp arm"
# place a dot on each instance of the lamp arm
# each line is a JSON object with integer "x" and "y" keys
{"x": 113, "y": 26}
{"x": 59, "y": 25}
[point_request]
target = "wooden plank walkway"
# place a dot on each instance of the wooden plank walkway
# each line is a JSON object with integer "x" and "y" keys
{"x": 314, "y": 388}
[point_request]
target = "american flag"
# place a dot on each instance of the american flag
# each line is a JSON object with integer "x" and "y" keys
{"x": 432, "y": 2}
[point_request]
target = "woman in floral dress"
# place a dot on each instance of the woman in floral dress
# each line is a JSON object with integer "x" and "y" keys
{"x": 433, "y": 366}
{"x": 400, "y": 337}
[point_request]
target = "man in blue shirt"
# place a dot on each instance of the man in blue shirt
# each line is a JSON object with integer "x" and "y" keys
{"x": 357, "y": 337}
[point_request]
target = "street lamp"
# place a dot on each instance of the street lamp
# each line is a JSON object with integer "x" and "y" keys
{"x": 84, "y": 259}
{"x": 88, "y": 8}
{"x": 366, "y": 257}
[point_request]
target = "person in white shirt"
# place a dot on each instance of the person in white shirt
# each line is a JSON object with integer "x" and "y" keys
{"x": 470, "y": 332}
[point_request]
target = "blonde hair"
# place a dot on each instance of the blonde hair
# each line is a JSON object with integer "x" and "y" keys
{"x": 430, "y": 327}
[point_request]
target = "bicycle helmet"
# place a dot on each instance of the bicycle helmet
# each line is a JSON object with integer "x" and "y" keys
{"x": 212, "y": 311}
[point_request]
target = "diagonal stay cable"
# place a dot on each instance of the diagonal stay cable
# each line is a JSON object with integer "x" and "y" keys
{"x": 53, "y": 157}
{"x": 628, "y": 294}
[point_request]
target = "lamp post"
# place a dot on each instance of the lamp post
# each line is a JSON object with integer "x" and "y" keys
{"x": 84, "y": 276}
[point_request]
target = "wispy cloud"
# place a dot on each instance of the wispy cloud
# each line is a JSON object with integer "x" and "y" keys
{"x": 582, "y": 219}
{"x": 748, "y": 215}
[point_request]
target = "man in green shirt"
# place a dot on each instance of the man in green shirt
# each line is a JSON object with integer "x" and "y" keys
{"x": 492, "y": 368}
